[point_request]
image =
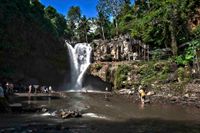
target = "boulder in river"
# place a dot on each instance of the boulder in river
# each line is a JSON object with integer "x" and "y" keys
{"x": 70, "y": 114}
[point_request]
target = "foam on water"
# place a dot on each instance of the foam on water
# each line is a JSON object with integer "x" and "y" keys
{"x": 86, "y": 91}
{"x": 93, "y": 115}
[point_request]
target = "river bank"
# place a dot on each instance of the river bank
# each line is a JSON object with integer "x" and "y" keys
{"x": 164, "y": 80}
{"x": 189, "y": 98}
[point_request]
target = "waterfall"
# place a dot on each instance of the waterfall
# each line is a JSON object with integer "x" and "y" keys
{"x": 79, "y": 62}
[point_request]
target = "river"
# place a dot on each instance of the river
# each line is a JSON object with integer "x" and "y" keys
{"x": 119, "y": 114}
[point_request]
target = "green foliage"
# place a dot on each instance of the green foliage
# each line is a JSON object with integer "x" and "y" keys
{"x": 180, "y": 73}
{"x": 57, "y": 20}
{"x": 73, "y": 18}
{"x": 147, "y": 72}
{"x": 28, "y": 34}
{"x": 111, "y": 8}
{"x": 98, "y": 66}
{"x": 125, "y": 24}
{"x": 154, "y": 72}
{"x": 190, "y": 53}
{"x": 78, "y": 26}
{"x": 196, "y": 32}
{"x": 83, "y": 29}
{"x": 156, "y": 54}
{"x": 103, "y": 26}
{"x": 162, "y": 24}
{"x": 74, "y": 14}
{"x": 50, "y": 12}
{"x": 121, "y": 75}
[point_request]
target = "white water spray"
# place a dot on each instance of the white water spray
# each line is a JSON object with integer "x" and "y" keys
{"x": 79, "y": 61}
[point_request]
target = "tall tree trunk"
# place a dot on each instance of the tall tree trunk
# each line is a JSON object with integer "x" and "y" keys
{"x": 172, "y": 29}
{"x": 86, "y": 37}
{"x": 116, "y": 24}
{"x": 103, "y": 34}
{"x": 173, "y": 40}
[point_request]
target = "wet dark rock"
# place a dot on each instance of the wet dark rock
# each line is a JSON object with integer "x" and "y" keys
{"x": 196, "y": 75}
{"x": 126, "y": 91}
{"x": 150, "y": 93}
{"x": 147, "y": 101}
{"x": 159, "y": 66}
{"x": 44, "y": 110}
{"x": 196, "y": 81}
{"x": 70, "y": 114}
{"x": 172, "y": 77}
{"x": 4, "y": 107}
{"x": 174, "y": 98}
{"x": 192, "y": 99}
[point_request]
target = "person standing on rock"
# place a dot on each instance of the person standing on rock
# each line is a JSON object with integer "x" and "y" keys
{"x": 106, "y": 94}
{"x": 1, "y": 91}
{"x": 29, "y": 93}
{"x": 7, "y": 88}
{"x": 50, "y": 89}
{"x": 29, "y": 89}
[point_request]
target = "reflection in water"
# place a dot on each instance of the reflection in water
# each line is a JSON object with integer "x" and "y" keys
{"x": 29, "y": 98}
{"x": 49, "y": 99}
{"x": 142, "y": 106}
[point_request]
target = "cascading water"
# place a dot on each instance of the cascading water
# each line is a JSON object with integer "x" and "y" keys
{"x": 79, "y": 61}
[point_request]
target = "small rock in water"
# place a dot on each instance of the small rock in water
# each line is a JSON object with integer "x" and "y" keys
{"x": 126, "y": 91}
{"x": 174, "y": 98}
{"x": 54, "y": 113}
{"x": 70, "y": 114}
{"x": 44, "y": 110}
{"x": 150, "y": 93}
{"x": 147, "y": 101}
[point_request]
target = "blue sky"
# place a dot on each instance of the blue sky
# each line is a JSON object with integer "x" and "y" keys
{"x": 88, "y": 7}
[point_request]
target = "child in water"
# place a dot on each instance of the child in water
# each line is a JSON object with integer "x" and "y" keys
{"x": 141, "y": 94}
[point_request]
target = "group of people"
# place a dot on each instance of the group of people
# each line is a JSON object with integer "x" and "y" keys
{"x": 9, "y": 88}
{"x": 6, "y": 89}
{"x": 42, "y": 89}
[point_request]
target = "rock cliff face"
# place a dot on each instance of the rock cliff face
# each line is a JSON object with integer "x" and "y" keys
{"x": 152, "y": 74}
{"x": 119, "y": 74}
{"x": 119, "y": 49}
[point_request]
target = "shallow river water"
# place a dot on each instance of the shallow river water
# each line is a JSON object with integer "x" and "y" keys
{"x": 119, "y": 114}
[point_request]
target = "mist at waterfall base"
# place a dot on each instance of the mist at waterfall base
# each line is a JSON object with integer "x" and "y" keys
{"x": 80, "y": 56}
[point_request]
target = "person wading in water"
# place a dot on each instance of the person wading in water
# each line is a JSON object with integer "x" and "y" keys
{"x": 142, "y": 94}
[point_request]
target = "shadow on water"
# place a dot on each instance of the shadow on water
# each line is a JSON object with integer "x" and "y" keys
{"x": 38, "y": 98}
{"x": 144, "y": 126}
{"x": 94, "y": 82}
{"x": 103, "y": 126}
